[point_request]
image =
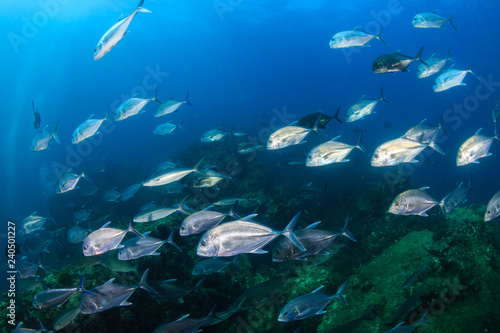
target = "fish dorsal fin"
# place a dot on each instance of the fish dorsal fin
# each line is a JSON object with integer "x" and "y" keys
{"x": 432, "y": 55}
{"x": 313, "y": 225}
{"x": 358, "y": 28}
{"x": 424, "y": 188}
{"x": 423, "y": 121}
{"x": 121, "y": 16}
{"x": 294, "y": 123}
{"x": 182, "y": 318}
{"x": 208, "y": 207}
{"x": 170, "y": 281}
{"x": 317, "y": 290}
{"x": 90, "y": 116}
{"x": 335, "y": 138}
{"x": 249, "y": 218}
{"x": 110, "y": 281}
{"x": 479, "y": 131}
{"x": 106, "y": 225}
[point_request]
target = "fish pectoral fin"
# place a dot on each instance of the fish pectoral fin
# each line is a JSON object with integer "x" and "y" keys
{"x": 154, "y": 254}
{"x": 320, "y": 312}
{"x": 423, "y": 214}
{"x": 125, "y": 303}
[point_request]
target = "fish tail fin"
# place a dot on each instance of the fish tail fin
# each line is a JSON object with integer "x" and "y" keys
{"x": 232, "y": 212}
{"x": 170, "y": 241}
{"x": 419, "y": 56}
{"x": 86, "y": 177}
{"x": 288, "y": 232}
{"x": 336, "y": 116}
{"x": 340, "y": 293}
{"x": 197, "y": 166}
{"x": 54, "y": 134}
{"x": 316, "y": 126}
{"x": 132, "y": 229}
{"x": 442, "y": 204}
{"x": 470, "y": 70}
{"x": 424, "y": 320}
{"x": 187, "y": 100}
{"x": 451, "y": 22}
{"x": 440, "y": 125}
{"x": 140, "y": 9}
{"x": 379, "y": 36}
{"x": 235, "y": 262}
{"x": 181, "y": 206}
{"x": 42, "y": 327}
{"x": 381, "y": 97}
{"x": 180, "y": 125}
{"x": 198, "y": 289}
{"x": 359, "y": 146}
{"x": 449, "y": 56}
{"x": 433, "y": 145}
{"x": 345, "y": 231}
{"x": 82, "y": 289}
{"x": 144, "y": 285}
{"x": 155, "y": 98}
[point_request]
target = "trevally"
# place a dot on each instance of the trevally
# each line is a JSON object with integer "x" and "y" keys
{"x": 431, "y": 20}
{"x": 213, "y": 265}
{"x": 395, "y": 62}
{"x": 433, "y": 66}
{"x": 451, "y": 78}
{"x": 331, "y": 152}
{"x": 116, "y": 33}
{"x": 454, "y": 199}
{"x": 356, "y": 37}
{"x": 474, "y": 148}
{"x": 214, "y": 135}
{"x": 52, "y": 298}
{"x": 242, "y": 236}
{"x": 171, "y": 175}
{"x": 170, "y": 106}
{"x": 308, "y": 305}
{"x": 110, "y": 295}
{"x": 166, "y": 128}
{"x": 423, "y": 132}
{"x": 138, "y": 247}
{"x": 493, "y": 208}
{"x": 36, "y": 122}
{"x": 413, "y": 202}
{"x": 68, "y": 181}
{"x": 130, "y": 191}
{"x": 111, "y": 195}
{"x": 363, "y": 107}
{"x": 42, "y": 139}
{"x": 290, "y": 135}
{"x": 87, "y": 129}
{"x": 133, "y": 106}
{"x": 105, "y": 239}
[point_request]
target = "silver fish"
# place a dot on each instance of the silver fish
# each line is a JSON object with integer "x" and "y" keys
{"x": 423, "y": 132}
{"x": 331, "y": 152}
{"x": 64, "y": 318}
{"x": 87, "y": 129}
{"x": 42, "y": 139}
{"x": 166, "y": 165}
{"x": 214, "y": 135}
{"x": 242, "y": 236}
{"x": 105, "y": 239}
{"x": 111, "y": 195}
{"x": 81, "y": 215}
{"x": 356, "y": 37}
{"x": 52, "y": 298}
{"x": 451, "y": 78}
{"x": 116, "y": 33}
{"x": 167, "y": 128}
{"x": 395, "y": 152}
{"x": 170, "y": 106}
{"x": 26, "y": 269}
{"x": 20, "y": 329}
{"x": 408, "y": 328}
{"x": 454, "y": 199}
{"x": 291, "y": 135}
{"x": 493, "y": 208}
{"x": 110, "y": 295}
{"x": 204, "y": 220}
{"x": 185, "y": 324}
{"x": 171, "y": 175}
{"x": 77, "y": 234}
{"x": 133, "y": 106}
{"x": 363, "y": 107}
{"x": 130, "y": 191}
{"x": 474, "y": 148}
{"x": 413, "y": 202}
{"x": 433, "y": 66}
{"x": 431, "y": 20}
{"x": 138, "y": 247}
{"x": 68, "y": 181}
{"x": 308, "y": 305}
{"x": 156, "y": 213}
{"x": 213, "y": 265}
{"x": 33, "y": 223}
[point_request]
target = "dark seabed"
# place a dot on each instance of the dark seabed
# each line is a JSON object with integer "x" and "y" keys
{"x": 249, "y": 68}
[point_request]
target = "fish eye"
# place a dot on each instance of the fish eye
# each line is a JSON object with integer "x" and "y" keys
{"x": 285, "y": 314}
{"x": 396, "y": 203}
{"x": 488, "y": 212}
{"x": 278, "y": 252}
{"x": 376, "y": 155}
{"x": 203, "y": 244}
{"x": 85, "y": 247}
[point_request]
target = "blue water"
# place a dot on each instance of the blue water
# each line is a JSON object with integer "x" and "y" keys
{"x": 239, "y": 61}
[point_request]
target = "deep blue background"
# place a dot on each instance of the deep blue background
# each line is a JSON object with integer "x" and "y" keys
{"x": 237, "y": 67}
